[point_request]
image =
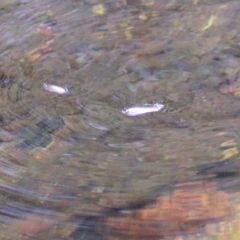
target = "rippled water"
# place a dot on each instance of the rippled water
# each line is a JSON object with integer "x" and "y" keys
{"x": 78, "y": 160}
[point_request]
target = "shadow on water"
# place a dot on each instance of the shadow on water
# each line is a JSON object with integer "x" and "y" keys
{"x": 119, "y": 120}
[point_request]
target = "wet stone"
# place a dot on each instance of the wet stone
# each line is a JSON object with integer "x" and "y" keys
{"x": 6, "y": 136}
{"x": 30, "y": 137}
{"x": 50, "y": 125}
{"x": 8, "y": 3}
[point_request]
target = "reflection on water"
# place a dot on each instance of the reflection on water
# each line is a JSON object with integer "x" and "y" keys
{"x": 119, "y": 119}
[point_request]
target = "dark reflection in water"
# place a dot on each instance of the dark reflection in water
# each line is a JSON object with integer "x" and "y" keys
{"x": 119, "y": 119}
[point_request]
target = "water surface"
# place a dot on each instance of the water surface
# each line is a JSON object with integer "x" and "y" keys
{"x": 74, "y": 165}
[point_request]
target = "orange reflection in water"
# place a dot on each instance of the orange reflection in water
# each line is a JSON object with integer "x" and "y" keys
{"x": 191, "y": 208}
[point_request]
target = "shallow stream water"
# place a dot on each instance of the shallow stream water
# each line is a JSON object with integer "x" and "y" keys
{"x": 78, "y": 160}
